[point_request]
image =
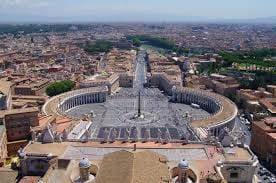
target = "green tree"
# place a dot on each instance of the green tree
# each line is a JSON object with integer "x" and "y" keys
{"x": 98, "y": 46}
{"x": 136, "y": 42}
{"x": 241, "y": 103}
{"x": 155, "y": 41}
{"x": 59, "y": 87}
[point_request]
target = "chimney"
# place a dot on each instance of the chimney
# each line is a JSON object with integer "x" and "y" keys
{"x": 134, "y": 147}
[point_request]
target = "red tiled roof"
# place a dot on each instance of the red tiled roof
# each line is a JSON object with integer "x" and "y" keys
{"x": 29, "y": 179}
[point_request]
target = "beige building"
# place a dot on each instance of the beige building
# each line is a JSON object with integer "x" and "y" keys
{"x": 31, "y": 86}
{"x": 270, "y": 105}
{"x": 164, "y": 72}
{"x": 19, "y": 121}
{"x": 254, "y": 95}
{"x": 120, "y": 61}
{"x": 257, "y": 100}
{"x": 5, "y": 94}
{"x": 264, "y": 132}
{"x": 26, "y": 101}
{"x": 3, "y": 145}
{"x": 105, "y": 163}
{"x": 272, "y": 89}
{"x": 126, "y": 80}
{"x": 163, "y": 82}
{"x": 238, "y": 165}
{"x": 221, "y": 84}
{"x": 112, "y": 81}
{"x": 160, "y": 64}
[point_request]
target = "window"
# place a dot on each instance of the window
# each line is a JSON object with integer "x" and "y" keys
{"x": 12, "y": 126}
{"x": 234, "y": 175}
{"x": 210, "y": 181}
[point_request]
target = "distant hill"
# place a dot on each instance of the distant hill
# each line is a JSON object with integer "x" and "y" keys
{"x": 270, "y": 20}
{"x": 134, "y": 17}
{"x": 265, "y": 20}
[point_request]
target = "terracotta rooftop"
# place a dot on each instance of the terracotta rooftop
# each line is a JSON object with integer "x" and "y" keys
{"x": 44, "y": 121}
{"x": 269, "y": 104}
{"x": 7, "y": 175}
{"x": 5, "y": 86}
{"x": 56, "y": 149}
{"x": 62, "y": 123}
{"x": 29, "y": 179}
{"x": 133, "y": 167}
{"x": 268, "y": 125}
{"x": 237, "y": 154}
{"x": 23, "y": 110}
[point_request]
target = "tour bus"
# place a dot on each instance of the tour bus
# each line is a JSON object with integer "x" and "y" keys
{"x": 196, "y": 106}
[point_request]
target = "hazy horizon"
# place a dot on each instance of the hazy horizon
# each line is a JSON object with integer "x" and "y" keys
{"x": 136, "y": 11}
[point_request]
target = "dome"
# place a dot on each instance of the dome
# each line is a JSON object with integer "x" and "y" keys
{"x": 21, "y": 154}
{"x": 183, "y": 164}
{"x": 84, "y": 163}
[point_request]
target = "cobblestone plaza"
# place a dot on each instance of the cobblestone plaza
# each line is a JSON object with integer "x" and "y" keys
{"x": 158, "y": 111}
{"x": 160, "y": 118}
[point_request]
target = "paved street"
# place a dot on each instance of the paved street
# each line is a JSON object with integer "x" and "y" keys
{"x": 243, "y": 128}
{"x": 140, "y": 71}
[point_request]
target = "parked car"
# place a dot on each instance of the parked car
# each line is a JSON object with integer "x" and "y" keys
{"x": 272, "y": 179}
{"x": 268, "y": 174}
{"x": 262, "y": 173}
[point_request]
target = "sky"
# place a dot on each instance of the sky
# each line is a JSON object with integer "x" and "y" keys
{"x": 134, "y": 10}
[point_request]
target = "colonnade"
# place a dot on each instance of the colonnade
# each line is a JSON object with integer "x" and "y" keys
{"x": 187, "y": 96}
{"x": 210, "y": 104}
{"x": 218, "y": 129}
{"x": 81, "y": 99}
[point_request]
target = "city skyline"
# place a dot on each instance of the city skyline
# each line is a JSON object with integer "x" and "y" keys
{"x": 130, "y": 10}
{"x": 137, "y": 91}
